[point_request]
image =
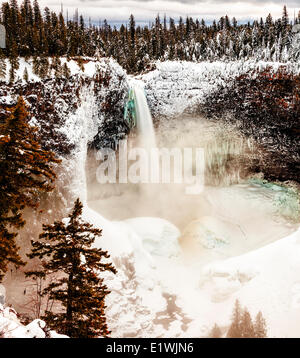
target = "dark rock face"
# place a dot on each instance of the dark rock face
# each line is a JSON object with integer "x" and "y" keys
{"x": 110, "y": 90}
{"x": 51, "y": 101}
{"x": 265, "y": 106}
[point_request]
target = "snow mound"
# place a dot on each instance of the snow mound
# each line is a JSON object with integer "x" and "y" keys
{"x": 207, "y": 232}
{"x": 88, "y": 69}
{"x": 121, "y": 241}
{"x": 265, "y": 279}
{"x": 159, "y": 237}
{"x": 11, "y": 327}
{"x": 117, "y": 240}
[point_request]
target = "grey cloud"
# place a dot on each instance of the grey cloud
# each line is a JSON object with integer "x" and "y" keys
{"x": 288, "y": 3}
{"x": 145, "y": 10}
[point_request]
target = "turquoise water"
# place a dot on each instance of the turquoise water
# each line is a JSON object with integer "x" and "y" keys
{"x": 286, "y": 199}
{"x": 130, "y": 110}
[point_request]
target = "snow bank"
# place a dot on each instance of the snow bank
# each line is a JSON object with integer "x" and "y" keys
{"x": 159, "y": 237}
{"x": 175, "y": 87}
{"x": 264, "y": 280}
{"x": 10, "y": 326}
{"x": 89, "y": 68}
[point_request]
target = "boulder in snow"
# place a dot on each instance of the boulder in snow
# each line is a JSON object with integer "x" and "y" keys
{"x": 159, "y": 237}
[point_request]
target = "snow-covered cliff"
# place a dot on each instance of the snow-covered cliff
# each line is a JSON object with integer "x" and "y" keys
{"x": 175, "y": 87}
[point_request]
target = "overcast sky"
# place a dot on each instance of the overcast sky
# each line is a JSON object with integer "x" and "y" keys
{"x": 145, "y": 10}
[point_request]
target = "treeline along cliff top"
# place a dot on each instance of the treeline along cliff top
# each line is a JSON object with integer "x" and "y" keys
{"x": 42, "y": 33}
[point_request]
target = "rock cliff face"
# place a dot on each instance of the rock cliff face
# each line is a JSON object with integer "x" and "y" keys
{"x": 265, "y": 106}
{"x": 261, "y": 99}
{"x": 172, "y": 89}
{"x": 52, "y": 101}
{"x": 176, "y": 87}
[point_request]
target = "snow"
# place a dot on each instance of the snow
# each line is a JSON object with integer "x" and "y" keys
{"x": 159, "y": 237}
{"x": 90, "y": 68}
{"x": 10, "y": 326}
{"x": 265, "y": 279}
{"x": 113, "y": 238}
{"x": 234, "y": 259}
{"x": 54, "y": 334}
{"x": 177, "y": 86}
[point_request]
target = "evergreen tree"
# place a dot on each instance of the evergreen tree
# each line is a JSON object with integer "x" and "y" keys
{"x": 37, "y": 17}
{"x": 269, "y": 30}
{"x": 260, "y": 326}
{"x": 285, "y": 28}
{"x": 234, "y": 22}
{"x": 246, "y": 327}
{"x": 132, "y": 30}
{"x": 57, "y": 67}
{"x": 242, "y": 325}
{"x": 66, "y": 70}
{"x": 44, "y": 67}
{"x": 235, "y": 327}
{"x": 2, "y": 65}
{"x": 25, "y": 171}
{"x": 25, "y": 75}
{"x": 227, "y": 22}
{"x": 215, "y": 332}
{"x": 14, "y": 62}
{"x": 132, "y": 45}
{"x": 285, "y": 18}
{"x": 36, "y": 65}
{"x": 65, "y": 248}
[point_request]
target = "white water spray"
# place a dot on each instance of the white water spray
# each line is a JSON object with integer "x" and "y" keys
{"x": 144, "y": 119}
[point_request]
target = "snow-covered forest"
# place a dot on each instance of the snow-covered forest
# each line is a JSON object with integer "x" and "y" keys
{"x": 41, "y": 33}
{"x": 83, "y": 258}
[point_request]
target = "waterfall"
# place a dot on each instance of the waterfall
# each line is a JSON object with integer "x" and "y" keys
{"x": 144, "y": 119}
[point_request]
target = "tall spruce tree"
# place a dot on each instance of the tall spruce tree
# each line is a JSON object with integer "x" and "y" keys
{"x": 235, "y": 327}
{"x": 65, "y": 248}
{"x": 2, "y": 65}
{"x": 260, "y": 326}
{"x": 25, "y": 75}
{"x": 215, "y": 332}
{"x": 242, "y": 325}
{"x": 246, "y": 327}
{"x": 14, "y": 62}
{"x": 25, "y": 171}
{"x": 66, "y": 71}
{"x": 285, "y": 17}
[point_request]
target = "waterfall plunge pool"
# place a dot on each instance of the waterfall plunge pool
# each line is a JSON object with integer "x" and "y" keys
{"x": 232, "y": 215}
